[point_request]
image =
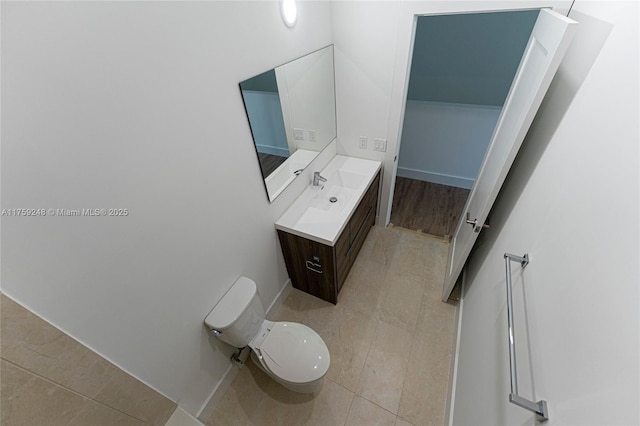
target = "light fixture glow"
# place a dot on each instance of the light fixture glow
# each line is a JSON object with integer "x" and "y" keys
{"x": 289, "y": 11}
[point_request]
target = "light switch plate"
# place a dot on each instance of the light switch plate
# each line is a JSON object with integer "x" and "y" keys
{"x": 312, "y": 135}
{"x": 298, "y": 134}
{"x": 380, "y": 144}
{"x": 364, "y": 142}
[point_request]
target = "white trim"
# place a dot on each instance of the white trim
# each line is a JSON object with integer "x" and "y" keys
{"x": 453, "y": 373}
{"x": 441, "y": 178}
{"x": 217, "y": 393}
{"x": 454, "y": 104}
{"x": 274, "y": 150}
{"x": 221, "y": 388}
{"x": 279, "y": 299}
{"x": 180, "y": 417}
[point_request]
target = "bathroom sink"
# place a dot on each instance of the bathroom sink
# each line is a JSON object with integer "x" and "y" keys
{"x": 332, "y": 200}
{"x": 346, "y": 179}
{"x": 321, "y": 212}
{"x": 327, "y": 205}
{"x": 334, "y": 195}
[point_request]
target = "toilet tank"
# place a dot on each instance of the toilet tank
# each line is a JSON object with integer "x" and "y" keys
{"x": 238, "y": 315}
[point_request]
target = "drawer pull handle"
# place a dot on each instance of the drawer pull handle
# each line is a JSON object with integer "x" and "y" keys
{"x": 312, "y": 266}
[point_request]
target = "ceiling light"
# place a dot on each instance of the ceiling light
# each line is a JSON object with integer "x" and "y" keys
{"x": 289, "y": 11}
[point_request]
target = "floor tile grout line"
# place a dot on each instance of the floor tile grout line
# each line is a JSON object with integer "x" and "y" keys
{"x": 378, "y": 319}
{"x": 46, "y": 379}
{"x": 348, "y": 390}
{"x": 379, "y": 406}
{"x": 413, "y": 343}
{"x": 367, "y": 356}
{"x": 368, "y": 350}
{"x": 85, "y": 397}
{"x": 353, "y": 397}
{"x": 376, "y": 316}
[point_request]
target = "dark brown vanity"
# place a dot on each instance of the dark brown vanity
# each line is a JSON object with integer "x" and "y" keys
{"x": 321, "y": 268}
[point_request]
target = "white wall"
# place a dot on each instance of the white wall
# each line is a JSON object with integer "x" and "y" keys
{"x": 571, "y": 201}
{"x": 445, "y": 143}
{"x": 307, "y": 94}
{"x": 265, "y": 115}
{"x": 136, "y": 105}
{"x": 373, "y": 41}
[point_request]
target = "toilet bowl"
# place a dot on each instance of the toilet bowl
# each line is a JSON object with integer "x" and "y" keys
{"x": 291, "y": 353}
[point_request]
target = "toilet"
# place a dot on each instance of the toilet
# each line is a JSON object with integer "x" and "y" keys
{"x": 291, "y": 353}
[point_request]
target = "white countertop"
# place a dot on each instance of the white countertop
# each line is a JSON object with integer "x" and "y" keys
{"x": 313, "y": 216}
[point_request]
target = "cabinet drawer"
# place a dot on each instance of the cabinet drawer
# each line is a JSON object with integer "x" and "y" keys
{"x": 342, "y": 249}
{"x": 372, "y": 193}
{"x": 358, "y": 217}
{"x": 344, "y": 261}
{"x": 369, "y": 200}
{"x": 343, "y": 243}
{"x": 361, "y": 235}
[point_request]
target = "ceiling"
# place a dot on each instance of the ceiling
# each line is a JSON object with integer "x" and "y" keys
{"x": 468, "y": 58}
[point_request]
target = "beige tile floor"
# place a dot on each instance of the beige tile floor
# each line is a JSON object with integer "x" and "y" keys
{"x": 390, "y": 338}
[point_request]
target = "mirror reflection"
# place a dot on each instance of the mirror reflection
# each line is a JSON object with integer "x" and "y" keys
{"x": 292, "y": 115}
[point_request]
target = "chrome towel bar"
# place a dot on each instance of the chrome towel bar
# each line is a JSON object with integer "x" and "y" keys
{"x": 540, "y": 407}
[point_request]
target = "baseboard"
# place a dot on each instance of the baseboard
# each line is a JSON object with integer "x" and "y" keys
{"x": 223, "y": 385}
{"x": 218, "y": 393}
{"x": 180, "y": 417}
{"x": 279, "y": 299}
{"x": 433, "y": 177}
{"x": 453, "y": 372}
{"x": 273, "y": 150}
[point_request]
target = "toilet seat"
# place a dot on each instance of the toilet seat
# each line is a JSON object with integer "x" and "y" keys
{"x": 292, "y": 351}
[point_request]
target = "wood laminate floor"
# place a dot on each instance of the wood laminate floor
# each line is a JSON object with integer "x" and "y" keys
{"x": 269, "y": 163}
{"x": 427, "y": 207}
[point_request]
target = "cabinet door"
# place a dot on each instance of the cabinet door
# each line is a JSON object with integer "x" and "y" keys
{"x": 350, "y": 242}
{"x": 310, "y": 265}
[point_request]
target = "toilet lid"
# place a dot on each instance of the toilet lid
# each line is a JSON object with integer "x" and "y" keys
{"x": 295, "y": 353}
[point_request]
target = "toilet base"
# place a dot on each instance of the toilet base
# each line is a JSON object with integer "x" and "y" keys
{"x": 309, "y": 387}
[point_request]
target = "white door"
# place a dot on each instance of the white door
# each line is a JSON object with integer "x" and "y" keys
{"x": 547, "y": 45}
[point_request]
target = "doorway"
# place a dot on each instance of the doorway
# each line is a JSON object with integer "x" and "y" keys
{"x": 461, "y": 71}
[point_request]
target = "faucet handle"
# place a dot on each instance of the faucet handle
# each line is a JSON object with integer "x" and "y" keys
{"x": 317, "y": 178}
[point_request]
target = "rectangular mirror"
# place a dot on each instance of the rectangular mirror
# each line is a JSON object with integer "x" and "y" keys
{"x": 292, "y": 115}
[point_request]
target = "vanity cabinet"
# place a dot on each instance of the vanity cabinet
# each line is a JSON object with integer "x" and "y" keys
{"x": 320, "y": 269}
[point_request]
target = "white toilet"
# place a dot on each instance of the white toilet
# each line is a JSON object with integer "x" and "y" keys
{"x": 293, "y": 354}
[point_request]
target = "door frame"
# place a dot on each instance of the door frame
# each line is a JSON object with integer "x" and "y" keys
{"x": 402, "y": 69}
{"x": 397, "y": 155}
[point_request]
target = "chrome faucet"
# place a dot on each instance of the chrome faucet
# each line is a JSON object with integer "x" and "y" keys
{"x": 317, "y": 179}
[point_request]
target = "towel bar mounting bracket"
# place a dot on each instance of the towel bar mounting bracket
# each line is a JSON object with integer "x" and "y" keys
{"x": 539, "y": 408}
